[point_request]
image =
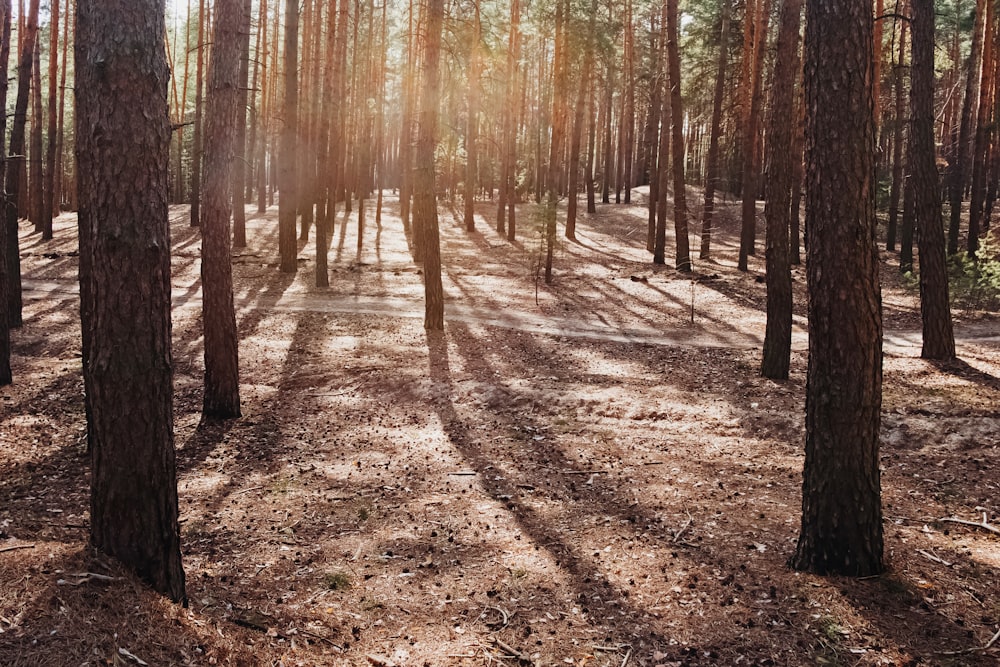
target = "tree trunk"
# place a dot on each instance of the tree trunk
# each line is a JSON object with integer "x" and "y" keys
{"x": 682, "y": 260}
{"x": 777, "y": 200}
{"x": 288, "y": 186}
{"x": 36, "y": 181}
{"x": 121, "y": 83}
{"x": 472, "y": 126}
{"x": 239, "y": 155}
{"x": 935, "y": 312}
{"x": 196, "y": 155}
{"x": 961, "y": 150}
{"x": 12, "y": 178}
{"x": 51, "y": 203}
{"x": 748, "y": 229}
{"x": 712, "y": 169}
{"x": 5, "y": 371}
{"x": 222, "y": 382}
{"x": 560, "y": 75}
{"x": 980, "y": 139}
{"x": 57, "y": 186}
{"x": 896, "y": 187}
{"x": 841, "y": 530}
{"x": 424, "y": 201}
{"x": 578, "y": 121}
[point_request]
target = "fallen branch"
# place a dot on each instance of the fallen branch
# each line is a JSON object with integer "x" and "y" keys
{"x": 509, "y": 649}
{"x": 974, "y": 649}
{"x": 16, "y": 546}
{"x": 84, "y": 577}
{"x": 985, "y": 525}
{"x": 930, "y": 556}
{"x": 680, "y": 532}
{"x": 584, "y": 472}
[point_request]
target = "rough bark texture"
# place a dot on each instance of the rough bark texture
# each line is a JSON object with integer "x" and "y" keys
{"x": 196, "y": 147}
{"x": 682, "y": 260}
{"x": 240, "y": 155}
{"x": 122, "y": 147}
{"x": 712, "y": 168}
{"x": 896, "y": 188}
{"x": 424, "y": 200}
{"x": 777, "y": 207}
{"x": 12, "y": 177}
{"x": 935, "y": 312}
{"x": 50, "y": 205}
{"x": 841, "y": 529}
{"x": 5, "y": 370}
{"x": 748, "y": 230}
{"x": 560, "y": 85}
{"x": 288, "y": 202}
{"x": 35, "y": 194}
{"x": 981, "y": 139}
{"x": 222, "y": 383}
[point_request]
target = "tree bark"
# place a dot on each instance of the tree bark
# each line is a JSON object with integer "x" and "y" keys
{"x": 239, "y": 158}
{"x": 28, "y": 36}
{"x": 123, "y": 127}
{"x": 222, "y": 382}
{"x": 288, "y": 185}
{"x": 51, "y": 203}
{"x": 36, "y": 180}
{"x": 895, "y": 189}
{"x": 682, "y": 260}
{"x": 841, "y": 530}
{"x": 935, "y": 311}
{"x": 981, "y": 137}
{"x": 6, "y": 376}
{"x": 424, "y": 200}
{"x": 578, "y": 121}
{"x": 559, "y": 91}
{"x": 472, "y": 125}
{"x": 712, "y": 168}
{"x": 196, "y": 149}
{"x": 777, "y": 199}
{"x": 748, "y": 230}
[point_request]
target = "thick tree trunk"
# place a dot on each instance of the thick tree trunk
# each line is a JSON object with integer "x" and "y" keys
{"x": 222, "y": 382}
{"x": 841, "y": 530}
{"x": 777, "y": 200}
{"x": 288, "y": 181}
{"x": 121, "y": 85}
{"x": 712, "y": 169}
{"x": 424, "y": 201}
{"x": 935, "y": 312}
{"x": 12, "y": 178}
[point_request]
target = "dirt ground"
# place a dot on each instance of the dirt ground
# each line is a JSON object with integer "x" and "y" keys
{"x": 587, "y": 473}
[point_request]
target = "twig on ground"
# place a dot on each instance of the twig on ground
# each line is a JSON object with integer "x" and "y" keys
{"x": 84, "y": 577}
{"x": 680, "y": 532}
{"x": 463, "y": 473}
{"x": 510, "y": 649}
{"x": 583, "y": 472}
{"x": 974, "y": 649}
{"x": 496, "y": 625}
{"x": 985, "y": 525}
{"x": 252, "y": 488}
{"x": 314, "y": 635}
{"x": 16, "y": 546}
{"x": 628, "y": 656}
{"x": 930, "y": 556}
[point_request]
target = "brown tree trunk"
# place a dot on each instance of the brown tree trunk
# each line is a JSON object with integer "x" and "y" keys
{"x": 6, "y": 376}
{"x": 196, "y": 155}
{"x": 36, "y": 185}
{"x": 935, "y": 312}
{"x": 51, "y": 203}
{"x": 712, "y": 168}
{"x": 121, "y": 82}
{"x": 751, "y": 150}
{"x": 578, "y": 121}
{"x": 288, "y": 179}
{"x": 238, "y": 150}
{"x": 327, "y": 147}
{"x": 507, "y": 146}
{"x": 57, "y": 185}
{"x": 424, "y": 200}
{"x": 777, "y": 204}
{"x": 559, "y": 92}
{"x": 12, "y": 178}
{"x": 899, "y": 121}
{"x": 841, "y": 531}
{"x": 472, "y": 125}
{"x": 222, "y": 382}
{"x": 981, "y": 138}
{"x": 959, "y": 158}
{"x": 682, "y": 259}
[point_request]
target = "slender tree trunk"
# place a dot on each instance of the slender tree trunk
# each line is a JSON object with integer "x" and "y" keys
{"x": 288, "y": 202}
{"x": 28, "y": 36}
{"x": 51, "y": 202}
{"x": 935, "y": 312}
{"x": 6, "y": 376}
{"x": 196, "y": 155}
{"x": 36, "y": 182}
{"x": 958, "y": 169}
{"x": 628, "y": 104}
{"x": 559, "y": 92}
{"x": 777, "y": 200}
{"x": 222, "y": 141}
{"x": 896, "y": 187}
{"x": 591, "y": 150}
{"x": 981, "y": 138}
{"x": 682, "y": 261}
{"x": 57, "y": 186}
{"x": 424, "y": 201}
{"x": 712, "y": 169}
{"x": 748, "y": 233}
{"x": 121, "y": 82}
{"x": 798, "y": 174}
{"x": 239, "y": 155}
{"x": 841, "y": 531}
{"x": 472, "y": 125}
{"x": 578, "y": 120}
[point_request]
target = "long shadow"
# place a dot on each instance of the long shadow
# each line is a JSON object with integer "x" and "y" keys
{"x": 963, "y": 370}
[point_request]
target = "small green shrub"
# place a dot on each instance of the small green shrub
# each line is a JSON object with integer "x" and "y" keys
{"x": 975, "y": 282}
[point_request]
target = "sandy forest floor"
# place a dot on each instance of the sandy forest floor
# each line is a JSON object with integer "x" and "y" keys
{"x": 569, "y": 475}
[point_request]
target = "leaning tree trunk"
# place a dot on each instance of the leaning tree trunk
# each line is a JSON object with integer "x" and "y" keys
{"x": 220, "y": 193}
{"x": 123, "y": 127}
{"x": 939, "y": 339}
{"x": 777, "y": 200}
{"x": 841, "y": 531}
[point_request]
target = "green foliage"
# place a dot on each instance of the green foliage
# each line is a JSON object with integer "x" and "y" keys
{"x": 975, "y": 282}
{"x": 337, "y": 581}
